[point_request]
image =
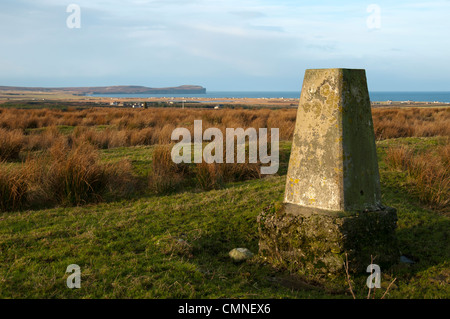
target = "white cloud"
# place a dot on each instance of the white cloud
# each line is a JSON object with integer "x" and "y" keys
{"x": 244, "y": 39}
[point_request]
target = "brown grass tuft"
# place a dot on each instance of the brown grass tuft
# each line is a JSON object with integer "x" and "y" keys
{"x": 411, "y": 122}
{"x": 75, "y": 175}
{"x": 209, "y": 176}
{"x": 13, "y": 188}
{"x": 166, "y": 176}
{"x": 428, "y": 171}
{"x": 11, "y": 143}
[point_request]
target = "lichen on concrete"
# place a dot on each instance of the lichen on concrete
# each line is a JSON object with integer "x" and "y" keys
{"x": 333, "y": 162}
{"x": 313, "y": 242}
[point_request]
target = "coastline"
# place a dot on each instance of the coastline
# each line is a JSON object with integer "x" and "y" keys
{"x": 35, "y": 97}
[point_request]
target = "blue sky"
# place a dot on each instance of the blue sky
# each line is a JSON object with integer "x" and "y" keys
{"x": 224, "y": 44}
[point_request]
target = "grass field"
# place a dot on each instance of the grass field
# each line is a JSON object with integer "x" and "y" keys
{"x": 175, "y": 245}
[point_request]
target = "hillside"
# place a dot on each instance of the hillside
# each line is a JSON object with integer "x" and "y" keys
{"x": 119, "y": 89}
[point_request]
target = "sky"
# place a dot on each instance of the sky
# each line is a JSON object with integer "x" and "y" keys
{"x": 223, "y": 45}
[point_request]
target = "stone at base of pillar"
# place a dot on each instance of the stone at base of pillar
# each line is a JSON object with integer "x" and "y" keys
{"x": 313, "y": 242}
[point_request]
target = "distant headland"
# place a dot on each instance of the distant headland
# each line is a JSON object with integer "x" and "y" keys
{"x": 117, "y": 89}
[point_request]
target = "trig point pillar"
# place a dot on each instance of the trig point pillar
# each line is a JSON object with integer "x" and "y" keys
{"x": 332, "y": 202}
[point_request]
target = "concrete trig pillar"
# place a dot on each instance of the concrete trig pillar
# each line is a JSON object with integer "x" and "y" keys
{"x": 332, "y": 203}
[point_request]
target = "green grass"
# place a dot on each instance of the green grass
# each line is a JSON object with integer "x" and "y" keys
{"x": 423, "y": 234}
{"x": 63, "y": 129}
{"x": 131, "y": 248}
{"x": 419, "y": 144}
{"x": 140, "y": 157}
{"x": 123, "y": 248}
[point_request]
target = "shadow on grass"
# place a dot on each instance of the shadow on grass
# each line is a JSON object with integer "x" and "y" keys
{"x": 423, "y": 237}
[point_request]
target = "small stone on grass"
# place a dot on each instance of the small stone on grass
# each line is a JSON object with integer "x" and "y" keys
{"x": 240, "y": 254}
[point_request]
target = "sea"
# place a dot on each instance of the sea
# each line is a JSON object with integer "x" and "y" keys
{"x": 443, "y": 97}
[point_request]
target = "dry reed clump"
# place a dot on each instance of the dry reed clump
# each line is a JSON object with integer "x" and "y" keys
{"x": 127, "y": 127}
{"x": 209, "y": 175}
{"x": 141, "y": 137}
{"x": 242, "y": 171}
{"x": 166, "y": 176}
{"x": 215, "y": 175}
{"x": 391, "y": 122}
{"x": 111, "y": 138}
{"x": 235, "y": 172}
{"x": 444, "y": 153}
{"x": 68, "y": 176}
{"x": 34, "y": 168}
{"x": 429, "y": 172}
{"x": 42, "y": 140}
{"x": 75, "y": 175}
{"x": 21, "y": 185}
{"x": 158, "y": 125}
{"x": 411, "y": 122}
{"x": 14, "y": 187}
{"x": 103, "y": 139}
{"x": 119, "y": 178}
{"x": 11, "y": 143}
{"x": 399, "y": 157}
{"x": 284, "y": 120}
{"x": 163, "y": 135}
